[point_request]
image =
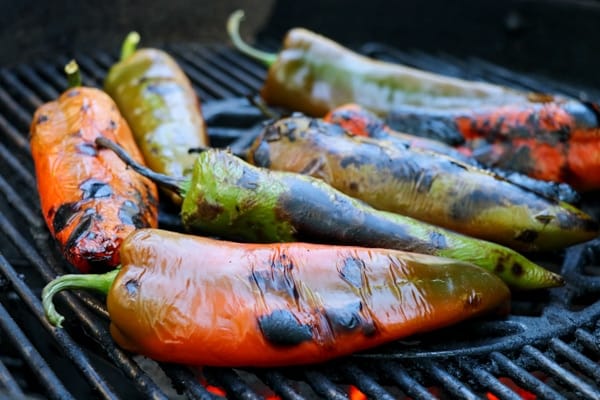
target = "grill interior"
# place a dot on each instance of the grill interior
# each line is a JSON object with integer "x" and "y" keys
{"x": 548, "y": 346}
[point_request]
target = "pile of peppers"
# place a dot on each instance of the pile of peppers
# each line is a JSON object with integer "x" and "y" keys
{"x": 332, "y": 234}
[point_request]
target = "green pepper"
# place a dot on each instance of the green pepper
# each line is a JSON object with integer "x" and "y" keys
{"x": 228, "y": 197}
{"x": 160, "y": 105}
{"x": 421, "y": 184}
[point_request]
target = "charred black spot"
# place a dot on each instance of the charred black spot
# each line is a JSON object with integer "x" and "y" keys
{"x": 85, "y": 106}
{"x": 289, "y": 129}
{"x": 281, "y": 328}
{"x": 277, "y": 279}
{"x": 352, "y": 271}
{"x": 261, "y": 156}
{"x": 64, "y": 216}
{"x": 42, "y": 118}
{"x": 87, "y": 148}
{"x": 438, "y": 127}
{"x": 517, "y": 269}
{"x": 73, "y": 93}
{"x": 162, "y": 88}
{"x": 80, "y": 231}
{"x": 353, "y": 186}
{"x": 77, "y": 133}
{"x": 250, "y": 179}
{"x": 112, "y": 125}
{"x": 345, "y": 319}
{"x": 130, "y": 214}
{"x": 471, "y": 204}
{"x": 319, "y": 213}
{"x": 95, "y": 189}
{"x": 312, "y": 166}
{"x": 272, "y": 133}
{"x": 567, "y": 220}
{"x": 527, "y": 236}
{"x": 132, "y": 286}
{"x": 438, "y": 240}
{"x": 499, "y": 268}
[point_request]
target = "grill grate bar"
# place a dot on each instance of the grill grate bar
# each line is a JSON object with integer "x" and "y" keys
{"x": 17, "y": 202}
{"x": 187, "y": 383}
{"x": 488, "y": 381}
{"x": 38, "y": 84}
{"x": 580, "y": 361}
{"x": 560, "y": 373}
{"x": 203, "y": 75}
{"x": 588, "y": 340}
{"x": 249, "y": 66}
{"x": 14, "y": 85}
{"x": 231, "y": 382}
{"x": 524, "y": 378}
{"x": 6, "y": 101}
{"x": 105, "y": 60}
{"x": 207, "y": 56}
{"x": 17, "y": 165}
{"x": 366, "y": 383}
{"x": 448, "y": 381}
{"x": 90, "y": 69}
{"x": 406, "y": 382}
{"x": 51, "y": 73}
{"x": 7, "y": 383}
{"x": 323, "y": 386}
{"x": 280, "y": 385}
{"x": 206, "y": 88}
{"x": 36, "y": 363}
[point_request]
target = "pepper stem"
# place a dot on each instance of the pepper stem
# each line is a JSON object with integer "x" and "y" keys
{"x": 233, "y": 28}
{"x": 98, "y": 282}
{"x": 129, "y": 45}
{"x": 174, "y": 184}
{"x": 73, "y": 74}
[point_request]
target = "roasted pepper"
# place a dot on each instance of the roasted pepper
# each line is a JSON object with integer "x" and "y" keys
{"x": 359, "y": 121}
{"x": 313, "y": 75}
{"x": 90, "y": 200}
{"x": 230, "y": 198}
{"x": 422, "y": 185}
{"x": 161, "y": 106}
{"x": 199, "y": 301}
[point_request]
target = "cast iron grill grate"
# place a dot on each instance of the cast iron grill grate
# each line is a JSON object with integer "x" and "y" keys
{"x": 548, "y": 347}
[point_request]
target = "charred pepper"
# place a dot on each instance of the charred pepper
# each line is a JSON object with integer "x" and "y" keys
{"x": 161, "y": 106}
{"x": 422, "y": 185}
{"x": 313, "y": 75}
{"x": 90, "y": 200}
{"x": 359, "y": 121}
{"x": 234, "y": 200}
{"x": 199, "y": 301}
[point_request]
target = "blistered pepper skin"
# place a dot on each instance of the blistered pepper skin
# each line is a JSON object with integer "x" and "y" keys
{"x": 193, "y": 300}
{"x": 422, "y": 185}
{"x": 90, "y": 199}
{"x": 162, "y": 108}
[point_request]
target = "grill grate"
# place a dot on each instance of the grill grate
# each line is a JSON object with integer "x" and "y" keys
{"x": 549, "y": 346}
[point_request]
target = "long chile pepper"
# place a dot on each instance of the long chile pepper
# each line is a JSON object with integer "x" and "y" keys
{"x": 159, "y": 103}
{"x": 198, "y": 301}
{"x": 90, "y": 200}
{"x": 359, "y": 121}
{"x": 313, "y": 75}
{"x": 422, "y": 185}
{"x": 232, "y": 199}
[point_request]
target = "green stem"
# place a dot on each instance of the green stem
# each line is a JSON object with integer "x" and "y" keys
{"x": 129, "y": 45}
{"x": 176, "y": 185}
{"x": 233, "y": 28}
{"x": 99, "y": 282}
{"x": 73, "y": 74}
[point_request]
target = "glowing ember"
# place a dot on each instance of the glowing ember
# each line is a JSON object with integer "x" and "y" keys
{"x": 356, "y": 394}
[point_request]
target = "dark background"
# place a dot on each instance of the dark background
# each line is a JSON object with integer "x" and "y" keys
{"x": 556, "y": 38}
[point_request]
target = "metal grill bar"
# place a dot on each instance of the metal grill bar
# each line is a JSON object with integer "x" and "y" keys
{"x": 36, "y": 363}
{"x": 8, "y": 384}
{"x": 447, "y": 381}
{"x": 280, "y": 385}
{"x": 588, "y": 340}
{"x": 7, "y": 102}
{"x": 366, "y": 383}
{"x": 580, "y": 361}
{"x": 487, "y": 380}
{"x": 231, "y": 382}
{"x": 15, "y": 85}
{"x": 561, "y": 373}
{"x": 185, "y": 382}
{"x": 32, "y": 78}
{"x": 406, "y": 382}
{"x": 323, "y": 386}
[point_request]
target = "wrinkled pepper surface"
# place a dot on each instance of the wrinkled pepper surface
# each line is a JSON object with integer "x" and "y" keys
{"x": 235, "y": 200}
{"x": 359, "y": 121}
{"x": 313, "y": 75}
{"x": 89, "y": 198}
{"x": 193, "y": 300}
{"x": 422, "y": 185}
{"x": 161, "y": 106}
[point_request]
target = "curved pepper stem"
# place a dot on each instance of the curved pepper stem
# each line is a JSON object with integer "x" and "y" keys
{"x": 98, "y": 282}
{"x": 129, "y": 45}
{"x": 179, "y": 186}
{"x": 233, "y": 28}
{"x": 73, "y": 74}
